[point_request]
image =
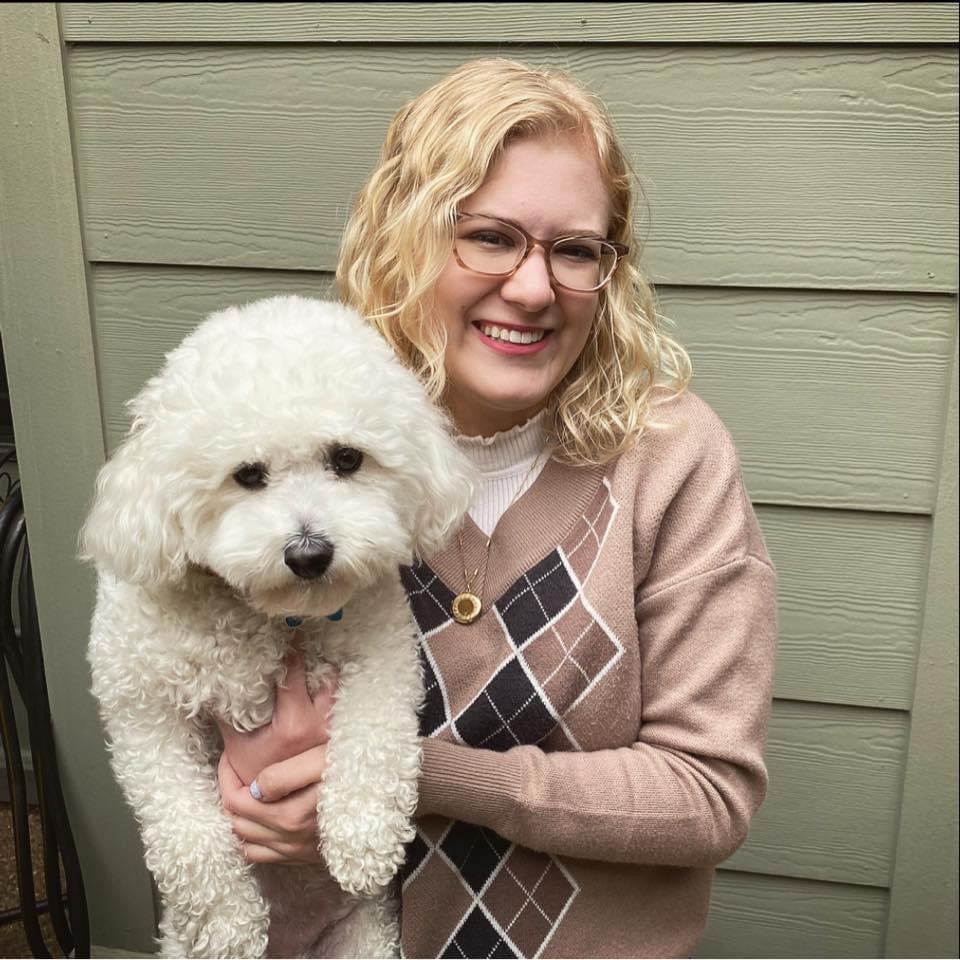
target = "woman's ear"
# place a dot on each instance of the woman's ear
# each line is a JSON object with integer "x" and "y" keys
{"x": 132, "y": 530}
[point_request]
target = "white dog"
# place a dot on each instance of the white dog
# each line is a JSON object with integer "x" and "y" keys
{"x": 283, "y": 464}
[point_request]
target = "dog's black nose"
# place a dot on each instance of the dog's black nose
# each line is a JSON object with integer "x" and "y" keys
{"x": 309, "y": 558}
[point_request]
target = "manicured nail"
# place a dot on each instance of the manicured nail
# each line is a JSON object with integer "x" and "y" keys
{"x": 255, "y": 791}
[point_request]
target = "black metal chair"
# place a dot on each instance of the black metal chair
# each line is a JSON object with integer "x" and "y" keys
{"x": 22, "y": 661}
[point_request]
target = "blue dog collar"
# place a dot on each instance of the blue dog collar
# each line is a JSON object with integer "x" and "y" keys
{"x": 294, "y": 622}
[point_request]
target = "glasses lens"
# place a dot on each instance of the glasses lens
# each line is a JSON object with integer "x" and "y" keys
{"x": 582, "y": 263}
{"x": 488, "y": 246}
{"x": 495, "y": 248}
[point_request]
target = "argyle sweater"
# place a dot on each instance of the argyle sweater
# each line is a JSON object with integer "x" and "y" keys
{"x": 593, "y": 744}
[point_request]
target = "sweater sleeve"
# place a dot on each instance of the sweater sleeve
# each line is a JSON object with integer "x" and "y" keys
{"x": 684, "y": 793}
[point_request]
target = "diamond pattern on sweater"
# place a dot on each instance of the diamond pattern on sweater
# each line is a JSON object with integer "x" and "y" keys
{"x": 475, "y": 852}
{"x": 571, "y": 656}
{"x": 553, "y": 650}
{"x": 416, "y": 853}
{"x": 510, "y": 711}
{"x": 582, "y": 545}
{"x": 434, "y": 713}
{"x": 518, "y": 896}
{"x": 536, "y": 599}
{"x": 528, "y": 898}
{"x": 429, "y": 597}
{"x": 478, "y": 937}
{"x": 559, "y": 650}
{"x": 556, "y": 648}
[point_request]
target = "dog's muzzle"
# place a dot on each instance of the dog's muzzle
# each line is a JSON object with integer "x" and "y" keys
{"x": 309, "y": 557}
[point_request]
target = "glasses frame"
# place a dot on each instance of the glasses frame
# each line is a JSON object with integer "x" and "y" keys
{"x": 620, "y": 249}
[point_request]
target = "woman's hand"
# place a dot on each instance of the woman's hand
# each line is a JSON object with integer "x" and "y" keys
{"x": 282, "y": 826}
{"x": 282, "y": 762}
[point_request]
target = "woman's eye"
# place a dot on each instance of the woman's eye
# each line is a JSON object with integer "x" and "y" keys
{"x": 579, "y": 251}
{"x": 251, "y": 476}
{"x": 346, "y": 460}
{"x": 490, "y": 238}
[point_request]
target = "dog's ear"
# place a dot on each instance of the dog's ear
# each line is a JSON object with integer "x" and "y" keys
{"x": 446, "y": 481}
{"x": 132, "y": 530}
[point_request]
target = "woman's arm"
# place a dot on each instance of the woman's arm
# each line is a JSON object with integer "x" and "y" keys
{"x": 684, "y": 793}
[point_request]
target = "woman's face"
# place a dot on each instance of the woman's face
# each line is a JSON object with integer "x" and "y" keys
{"x": 551, "y": 187}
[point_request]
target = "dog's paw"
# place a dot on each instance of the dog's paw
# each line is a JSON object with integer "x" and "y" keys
{"x": 223, "y": 929}
{"x": 216, "y": 938}
{"x": 365, "y": 865}
{"x": 360, "y": 878}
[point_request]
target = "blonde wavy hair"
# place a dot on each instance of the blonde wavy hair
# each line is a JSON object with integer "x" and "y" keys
{"x": 438, "y": 151}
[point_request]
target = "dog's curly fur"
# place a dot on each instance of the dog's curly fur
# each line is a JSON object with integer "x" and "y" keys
{"x": 194, "y": 588}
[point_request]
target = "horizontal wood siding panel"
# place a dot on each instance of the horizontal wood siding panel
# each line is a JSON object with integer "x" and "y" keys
{"x": 850, "y": 603}
{"x": 837, "y": 391}
{"x": 829, "y": 395}
{"x": 759, "y": 916}
{"x": 793, "y": 166}
{"x": 831, "y": 810}
{"x": 143, "y": 312}
{"x": 513, "y": 22}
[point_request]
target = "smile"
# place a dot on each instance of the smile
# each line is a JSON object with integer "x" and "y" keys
{"x": 510, "y": 340}
{"x": 512, "y": 336}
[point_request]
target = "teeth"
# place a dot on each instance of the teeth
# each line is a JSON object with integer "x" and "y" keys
{"x": 512, "y": 336}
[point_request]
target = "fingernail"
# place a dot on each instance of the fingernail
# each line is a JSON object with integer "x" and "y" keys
{"x": 255, "y": 791}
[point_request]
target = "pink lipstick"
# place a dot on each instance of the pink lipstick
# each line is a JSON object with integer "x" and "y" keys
{"x": 508, "y": 338}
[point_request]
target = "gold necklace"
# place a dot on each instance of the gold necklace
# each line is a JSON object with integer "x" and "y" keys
{"x": 468, "y": 605}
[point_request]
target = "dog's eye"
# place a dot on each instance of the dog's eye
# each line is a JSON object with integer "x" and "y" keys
{"x": 252, "y": 476}
{"x": 346, "y": 460}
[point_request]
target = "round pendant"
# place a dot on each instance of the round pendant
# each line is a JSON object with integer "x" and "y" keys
{"x": 465, "y": 607}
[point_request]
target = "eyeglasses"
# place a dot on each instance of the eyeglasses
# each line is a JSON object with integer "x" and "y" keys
{"x": 498, "y": 249}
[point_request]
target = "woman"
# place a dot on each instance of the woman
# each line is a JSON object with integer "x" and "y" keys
{"x": 599, "y": 638}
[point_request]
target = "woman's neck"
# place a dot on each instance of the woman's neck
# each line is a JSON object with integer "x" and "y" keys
{"x": 473, "y": 422}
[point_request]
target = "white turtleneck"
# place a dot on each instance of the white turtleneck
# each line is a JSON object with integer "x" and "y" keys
{"x": 508, "y": 463}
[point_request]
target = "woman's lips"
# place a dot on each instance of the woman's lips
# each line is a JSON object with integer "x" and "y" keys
{"x": 494, "y": 336}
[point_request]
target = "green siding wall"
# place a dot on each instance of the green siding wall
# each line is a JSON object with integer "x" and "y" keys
{"x": 800, "y": 168}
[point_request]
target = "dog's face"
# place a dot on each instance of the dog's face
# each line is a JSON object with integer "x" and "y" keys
{"x": 284, "y": 448}
{"x": 298, "y": 534}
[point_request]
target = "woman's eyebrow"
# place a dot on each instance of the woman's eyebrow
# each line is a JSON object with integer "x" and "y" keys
{"x": 571, "y": 232}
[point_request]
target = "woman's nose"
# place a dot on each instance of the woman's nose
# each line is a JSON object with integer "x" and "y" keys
{"x": 530, "y": 287}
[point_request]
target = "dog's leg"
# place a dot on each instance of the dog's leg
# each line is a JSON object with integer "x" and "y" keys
{"x": 212, "y": 904}
{"x": 369, "y": 791}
